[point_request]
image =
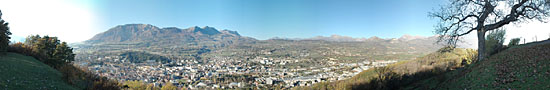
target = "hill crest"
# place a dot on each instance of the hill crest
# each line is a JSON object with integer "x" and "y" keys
{"x": 150, "y": 33}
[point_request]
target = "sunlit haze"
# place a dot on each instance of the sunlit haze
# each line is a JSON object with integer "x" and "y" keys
{"x": 71, "y": 21}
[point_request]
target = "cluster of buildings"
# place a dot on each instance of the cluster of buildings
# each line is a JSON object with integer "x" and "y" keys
{"x": 225, "y": 72}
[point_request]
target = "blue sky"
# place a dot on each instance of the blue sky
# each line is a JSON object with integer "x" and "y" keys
{"x": 265, "y": 19}
{"x": 79, "y": 20}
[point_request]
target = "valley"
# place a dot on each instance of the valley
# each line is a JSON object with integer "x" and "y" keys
{"x": 274, "y": 45}
{"x": 207, "y": 58}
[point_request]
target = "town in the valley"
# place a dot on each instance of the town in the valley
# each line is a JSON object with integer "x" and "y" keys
{"x": 257, "y": 72}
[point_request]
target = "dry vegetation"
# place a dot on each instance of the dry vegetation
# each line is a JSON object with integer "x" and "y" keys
{"x": 404, "y": 73}
{"x": 519, "y": 67}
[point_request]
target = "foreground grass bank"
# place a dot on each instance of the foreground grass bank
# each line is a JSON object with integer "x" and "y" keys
{"x": 19, "y": 72}
{"x": 521, "y": 67}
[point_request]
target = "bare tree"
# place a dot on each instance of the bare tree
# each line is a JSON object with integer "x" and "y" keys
{"x": 461, "y": 17}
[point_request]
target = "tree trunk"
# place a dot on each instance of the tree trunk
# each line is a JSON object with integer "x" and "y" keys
{"x": 480, "y": 44}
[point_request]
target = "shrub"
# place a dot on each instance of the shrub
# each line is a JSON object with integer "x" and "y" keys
{"x": 135, "y": 85}
{"x": 469, "y": 57}
{"x": 20, "y": 48}
{"x": 169, "y": 86}
{"x": 494, "y": 41}
{"x": 514, "y": 42}
{"x": 152, "y": 87}
{"x": 446, "y": 49}
{"x": 85, "y": 79}
{"x": 47, "y": 49}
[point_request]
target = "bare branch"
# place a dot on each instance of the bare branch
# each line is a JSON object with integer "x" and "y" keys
{"x": 468, "y": 32}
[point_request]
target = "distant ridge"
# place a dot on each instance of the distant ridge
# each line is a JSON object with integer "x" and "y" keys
{"x": 342, "y": 38}
{"x": 337, "y": 38}
{"x": 375, "y": 38}
{"x": 408, "y": 37}
{"x": 150, "y": 33}
{"x": 147, "y": 33}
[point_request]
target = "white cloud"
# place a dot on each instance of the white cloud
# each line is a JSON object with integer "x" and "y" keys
{"x": 67, "y": 20}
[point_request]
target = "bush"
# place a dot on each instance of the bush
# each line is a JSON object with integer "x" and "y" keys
{"x": 20, "y": 48}
{"x": 446, "y": 49}
{"x": 494, "y": 41}
{"x": 514, "y": 42}
{"x": 48, "y": 50}
{"x": 469, "y": 57}
{"x": 85, "y": 79}
{"x": 135, "y": 85}
{"x": 169, "y": 86}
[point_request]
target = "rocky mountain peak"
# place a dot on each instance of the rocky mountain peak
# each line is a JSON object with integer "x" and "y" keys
{"x": 408, "y": 37}
{"x": 374, "y": 38}
{"x": 204, "y": 30}
{"x": 150, "y": 33}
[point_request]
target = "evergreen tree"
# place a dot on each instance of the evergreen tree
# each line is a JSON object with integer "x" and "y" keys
{"x": 50, "y": 50}
{"x": 63, "y": 53}
{"x": 4, "y": 35}
{"x": 38, "y": 47}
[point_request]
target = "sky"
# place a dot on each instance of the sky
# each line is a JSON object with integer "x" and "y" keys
{"x": 79, "y": 20}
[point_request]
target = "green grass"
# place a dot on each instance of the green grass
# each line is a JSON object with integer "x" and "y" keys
{"x": 522, "y": 67}
{"x": 19, "y": 72}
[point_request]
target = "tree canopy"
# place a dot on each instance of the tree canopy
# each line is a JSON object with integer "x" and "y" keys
{"x": 461, "y": 17}
{"x": 47, "y": 49}
{"x": 4, "y": 35}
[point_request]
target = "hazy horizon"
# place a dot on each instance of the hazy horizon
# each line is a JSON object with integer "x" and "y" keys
{"x": 76, "y": 21}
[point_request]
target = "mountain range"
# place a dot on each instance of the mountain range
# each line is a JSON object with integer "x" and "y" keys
{"x": 150, "y": 33}
{"x": 340, "y": 38}
{"x": 198, "y": 42}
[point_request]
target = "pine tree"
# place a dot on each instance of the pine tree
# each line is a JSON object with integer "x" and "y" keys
{"x": 4, "y": 35}
{"x": 38, "y": 47}
{"x": 63, "y": 53}
{"x": 50, "y": 50}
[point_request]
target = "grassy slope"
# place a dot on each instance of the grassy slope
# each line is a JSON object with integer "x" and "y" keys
{"x": 521, "y": 67}
{"x": 19, "y": 72}
{"x": 436, "y": 59}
